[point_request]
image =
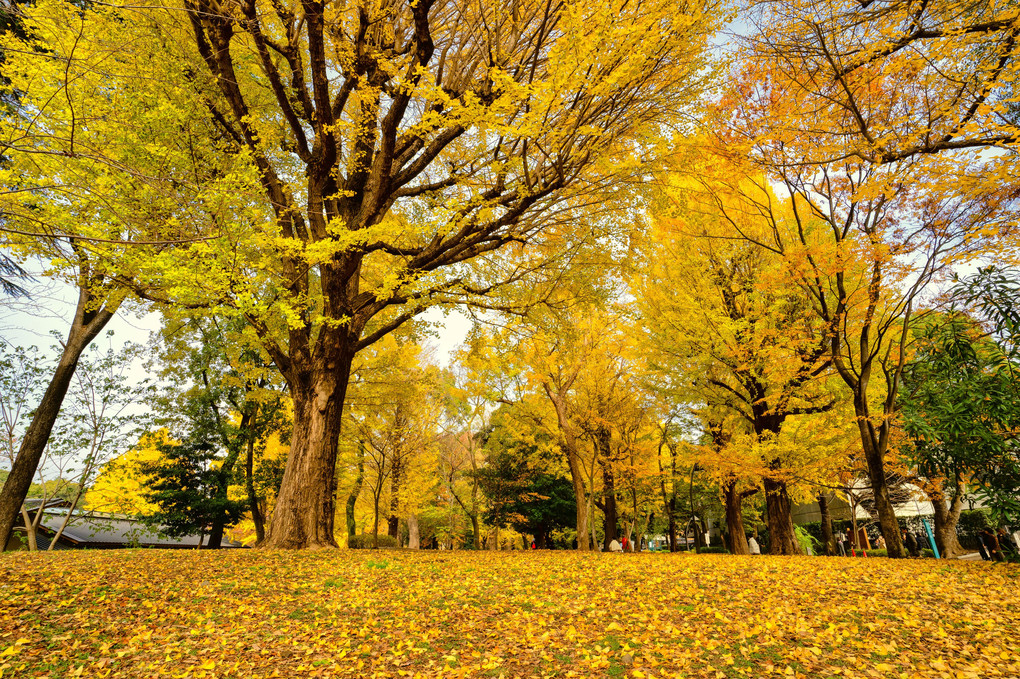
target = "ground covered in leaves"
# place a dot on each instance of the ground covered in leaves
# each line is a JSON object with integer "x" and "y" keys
{"x": 141, "y": 613}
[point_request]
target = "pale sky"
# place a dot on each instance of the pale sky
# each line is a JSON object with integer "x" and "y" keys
{"x": 30, "y": 322}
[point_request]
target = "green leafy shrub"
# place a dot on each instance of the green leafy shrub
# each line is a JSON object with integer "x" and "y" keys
{"x": 714, "y": 550}
{"x": 364, "y": 541}
{"x": 972, "y": 522}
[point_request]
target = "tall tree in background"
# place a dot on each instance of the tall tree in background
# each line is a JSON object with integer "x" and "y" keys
{"x": 387, "y": 146}
{"x": 222, "y": 391}
{"x": 184, "y": 484}
{"x": 865, "y": 237}
{"x": 720, "y": 309}
{"x": 889, "y": 81}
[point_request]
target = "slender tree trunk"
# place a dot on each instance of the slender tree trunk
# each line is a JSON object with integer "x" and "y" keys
{"x": 673, "y": 547}
{"x": 223, "y": 476}
{"x": 609, "y": 504}
{"x": 475, "y": 523}
{"x": 246, "y": 434}
{"x": 67, "y": 517}
{"x": 639, "y": 532}
{"x": 875, "y": 458}
{"x": 375, "y": 523}
{"x": 352, "y": 497}
{"x": 581, "y": 504}
{"x": 90, "y": 317}
{"x": 396, "y": 477}
{"x": 827, "y": 536}
{"x": 669, "y": 499}
{"x": 733, "y": 500}
{"x": 305, "y": 506}
{"x": 568, "y": 444}
{"x": 778, "y": 509}
{"x": 29, "y": 530}
{"x": 249, "y": 486}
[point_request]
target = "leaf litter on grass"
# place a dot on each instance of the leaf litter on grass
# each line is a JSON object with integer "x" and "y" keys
{"x": 212, "y": 615}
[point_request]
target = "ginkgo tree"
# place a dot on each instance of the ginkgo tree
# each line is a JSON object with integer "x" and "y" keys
{"x": 367, "y": 152}
{"x": 720, "y": 309}
{"x": 863, "y": 241}
{"x": 888, "y": 81}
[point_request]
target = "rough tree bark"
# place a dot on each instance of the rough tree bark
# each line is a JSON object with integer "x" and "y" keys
{"x": 946, "y": 517}
{"x": 778, "y": 510}
{"x": 733, "y": 500}
{"x": 303, "y": 515}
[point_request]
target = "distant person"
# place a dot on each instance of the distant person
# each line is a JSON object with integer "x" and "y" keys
{"x": 841, "y": 544}
{"x": 625, "y": 543}
{"x": 880, "y": 542}
{"x": 992, "y": 544}
{"x": 1006, "y": 545}
{"x": 615, "y": 546}
{"x": 752, "y": 545}
{"x": 910, "y": 542}
{"x": 533, "y": 545}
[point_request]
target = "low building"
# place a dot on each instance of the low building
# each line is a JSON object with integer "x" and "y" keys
{"x": 97, "y": 530}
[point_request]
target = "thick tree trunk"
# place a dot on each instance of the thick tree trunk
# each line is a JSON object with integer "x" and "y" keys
{"x": 303, "y": 517}
{"x": 778, "y": 509}
{"x": 90, "y": 317}
{"x": 352, "y": 497}
{"x": 413, "y": 536}
{"x": 827, "y": 536}
{"x": 733, "y": 500}
{"x": 946, "y": 518}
